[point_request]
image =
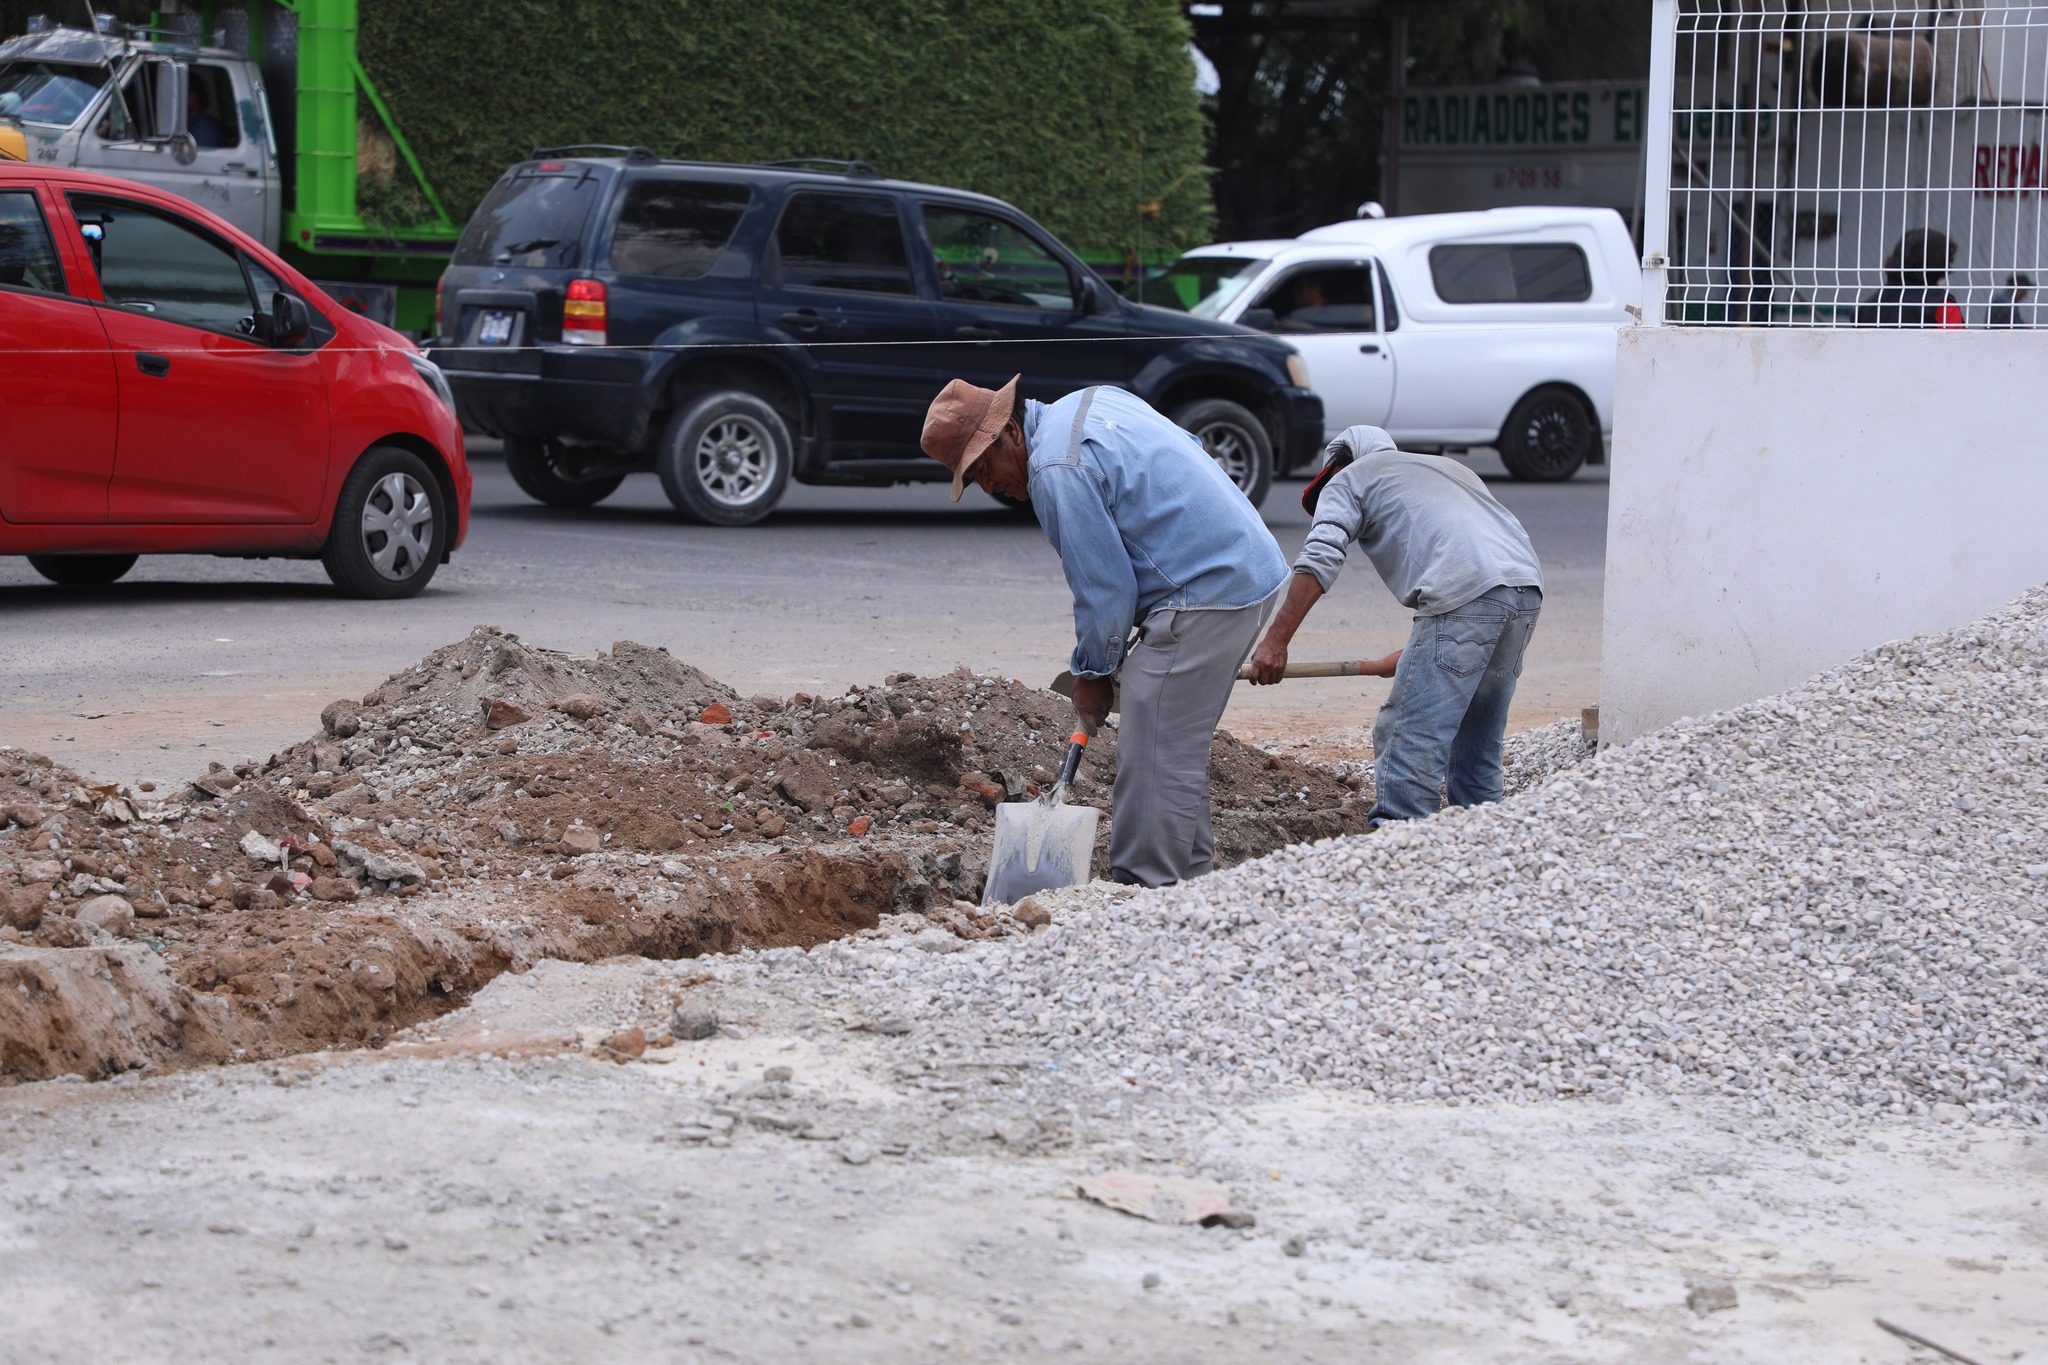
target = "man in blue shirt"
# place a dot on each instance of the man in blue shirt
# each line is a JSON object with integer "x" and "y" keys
{"x": 1153, "y": 535}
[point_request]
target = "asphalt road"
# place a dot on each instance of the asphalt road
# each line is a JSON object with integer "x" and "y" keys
{"x": 189, "y": 659}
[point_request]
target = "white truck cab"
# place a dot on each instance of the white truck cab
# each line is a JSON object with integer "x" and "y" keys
{"x": 1450, "y": 330}
{"x": 193, "y": 121}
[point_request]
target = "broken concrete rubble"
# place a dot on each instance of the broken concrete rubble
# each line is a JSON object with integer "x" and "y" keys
{"x": 633, "y": 805}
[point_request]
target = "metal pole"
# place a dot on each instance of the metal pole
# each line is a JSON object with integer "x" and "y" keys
{"x": 1657, "y": 160}
{"x": 1397, "y": 87}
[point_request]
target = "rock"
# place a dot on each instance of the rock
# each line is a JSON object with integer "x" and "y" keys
{"x": 330, "y": 889}
{"x": 859, "y": 825}
{"x": 341, "y": 719}
{"x": 377, "y": 866}
{"x": 327, "y": 758}
{"x": 778, "y": 1075}
{"x": 42, "y": 870}
{"x": 694, "y": 1025}
{"x": 1029, "y": 912}
{"x": 626, "y": 1043}
{"x": 990, "y": 792}
{"x": 718, "y": 713}
{"x": 255, "y": 846}
{"x": 21, "y": 907}
{"x": 500, "y": 714}
{"x": 856, "y": 1153}
{"x": 770, "y": 826}
{"x": 1158, "y": 1198}
{"x": 580, "y": 706}
{"x": 579, "y": 839}
{"x": 1295, "y": 1246}
{"x": 1706, "y": 1296}
{"x": 321, "y": 854}
{"x": 109, "y": 914}
{"x": 23, "y": 814}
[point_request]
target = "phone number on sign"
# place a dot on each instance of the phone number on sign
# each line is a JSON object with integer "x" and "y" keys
{"x": 1529, "y": 178}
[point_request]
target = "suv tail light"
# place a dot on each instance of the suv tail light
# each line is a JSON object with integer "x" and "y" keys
{"x": 583, "y": 314}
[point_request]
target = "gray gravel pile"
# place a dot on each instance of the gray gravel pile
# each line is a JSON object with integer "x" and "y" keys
{"x": 1838, "y": 895}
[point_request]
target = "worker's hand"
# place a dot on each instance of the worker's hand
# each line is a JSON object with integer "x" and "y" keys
{"x": 1383, "y": 668}
{"x": 1092, "y": 699}
{"x": 1269, "y": 662}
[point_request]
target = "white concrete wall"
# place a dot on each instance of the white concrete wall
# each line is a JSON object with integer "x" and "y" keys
{"x": 1783, "y": 499}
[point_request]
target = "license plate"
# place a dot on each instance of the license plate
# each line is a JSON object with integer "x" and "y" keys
{"x": 496, "y": 329}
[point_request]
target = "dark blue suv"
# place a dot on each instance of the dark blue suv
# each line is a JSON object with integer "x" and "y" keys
{"x": 733, "y": 327}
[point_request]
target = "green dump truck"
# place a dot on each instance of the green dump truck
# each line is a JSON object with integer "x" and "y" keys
{"x": 261, "y": 112}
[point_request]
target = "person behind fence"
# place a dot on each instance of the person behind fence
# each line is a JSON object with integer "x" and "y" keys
{"x": 1462, "y": 563}
{"x": 2013, "y": 310}
{"x": 1914, "y": 292}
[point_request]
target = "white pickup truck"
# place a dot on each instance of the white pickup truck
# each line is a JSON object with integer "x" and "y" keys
{"x": 1450, "y": 330}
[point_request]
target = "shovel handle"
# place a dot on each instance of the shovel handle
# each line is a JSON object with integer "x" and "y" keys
{"x": 1077, "y": 744}
{"x": 1340, "y": 668}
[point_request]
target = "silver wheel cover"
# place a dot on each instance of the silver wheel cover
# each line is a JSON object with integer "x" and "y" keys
{"x": 734, "y": 461}
{"x": 1229, "y": 446}
{"x": 398, "y": 526}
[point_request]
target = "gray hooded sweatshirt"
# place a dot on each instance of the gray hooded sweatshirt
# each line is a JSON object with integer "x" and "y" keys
{"x": 1435, "y": 534}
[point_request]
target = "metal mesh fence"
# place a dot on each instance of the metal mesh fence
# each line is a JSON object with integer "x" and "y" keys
{"x": 1836, "y": 164}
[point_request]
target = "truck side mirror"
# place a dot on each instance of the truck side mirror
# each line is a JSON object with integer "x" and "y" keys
{"x": 290, "y": 322}
{"x": 1261, "y": 319}
{"x": 171, "y": 83}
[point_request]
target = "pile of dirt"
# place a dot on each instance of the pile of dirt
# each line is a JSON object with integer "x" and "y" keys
{"x": 498, "y": 804}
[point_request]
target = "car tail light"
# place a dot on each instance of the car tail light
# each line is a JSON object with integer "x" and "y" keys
{"x": 583, "y": 313}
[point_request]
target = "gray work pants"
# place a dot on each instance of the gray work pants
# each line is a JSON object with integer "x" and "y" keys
{"x": 1174, "y": 685}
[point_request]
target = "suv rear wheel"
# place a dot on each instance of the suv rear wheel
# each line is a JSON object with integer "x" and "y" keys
{"x": 1548, "y": 436}
{"x": 725, "y": 458}
{"x": 538, "y": 468}
{"x": 82, "y": 571}
{"x": 390, "y": 526}
{"x": 1235, "y": 439}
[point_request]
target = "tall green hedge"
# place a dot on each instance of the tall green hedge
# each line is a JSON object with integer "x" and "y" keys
{"x": 1081, "y": 112}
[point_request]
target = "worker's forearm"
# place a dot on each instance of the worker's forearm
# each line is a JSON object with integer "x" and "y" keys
{"x": 1303, "y": 592}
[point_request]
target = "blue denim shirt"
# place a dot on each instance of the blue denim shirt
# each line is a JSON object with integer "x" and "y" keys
{"x": 1142, "y": 518}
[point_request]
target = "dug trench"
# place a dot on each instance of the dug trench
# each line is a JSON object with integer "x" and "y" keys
{"x": 497, "y": 805}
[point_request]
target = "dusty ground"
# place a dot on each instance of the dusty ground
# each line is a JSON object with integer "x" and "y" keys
{"x": 558, "y": 1148}
{"x": 497, "y": 805}
{"x": 498, "y": 1187}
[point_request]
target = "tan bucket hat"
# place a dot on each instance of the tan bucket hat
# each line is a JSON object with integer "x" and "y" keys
{"x": 963, "y": 422}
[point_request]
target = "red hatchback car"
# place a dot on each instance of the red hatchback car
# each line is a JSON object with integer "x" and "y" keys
{"x": 168, "y": 386}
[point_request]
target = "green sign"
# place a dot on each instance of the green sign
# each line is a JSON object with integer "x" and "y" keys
{"x": 1584, "y": 115}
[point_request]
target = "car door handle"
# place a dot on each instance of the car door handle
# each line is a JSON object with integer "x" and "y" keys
{"x": 972, "y": 333}
{"x": 242, "y": 167}
{"x": 1370, "y": 348}
{"x": 805, "y": 321}
{"x": 158, "y": 365}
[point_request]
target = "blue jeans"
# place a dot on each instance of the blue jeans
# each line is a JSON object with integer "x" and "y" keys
{"x": 1442, "y": 725}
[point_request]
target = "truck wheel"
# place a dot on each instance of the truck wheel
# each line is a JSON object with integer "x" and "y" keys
{"x": 536, "y": 467}
{"x": 82, "y": 571}
{"x": 725, "y": 458}
{"x": 389, "y": 526}
{"x": 1548, "y": 436}
{"x": 1235, "y": 439}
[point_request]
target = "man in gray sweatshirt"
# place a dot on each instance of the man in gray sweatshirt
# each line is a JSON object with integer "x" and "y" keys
{"x": 1464, "y": 565}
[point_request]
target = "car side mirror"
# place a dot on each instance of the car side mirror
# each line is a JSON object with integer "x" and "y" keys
{"x": 171, "y": 86}
{"x": 1263, "y": 319}
{"x": 291, "y": 322}
{"x": 1091, "y": 300}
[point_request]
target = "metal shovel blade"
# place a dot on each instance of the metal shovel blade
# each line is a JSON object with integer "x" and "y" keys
{"x": 1039, "y": 846}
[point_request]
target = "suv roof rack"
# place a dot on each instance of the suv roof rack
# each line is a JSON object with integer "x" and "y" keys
{"x": 610, "y": 148}
{"x": 859, "y": 169}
